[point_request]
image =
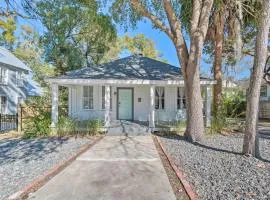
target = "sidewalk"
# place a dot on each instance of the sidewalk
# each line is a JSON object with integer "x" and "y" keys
{"x": 116, "y": 168}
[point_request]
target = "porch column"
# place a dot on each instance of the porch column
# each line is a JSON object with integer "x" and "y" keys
{"x": 152, "y": 107}
{"x": 54, "y": 114}
{"x": 69, "y": 100}
{"x": 107, "y": 105}
{"x": 208, "y": 105}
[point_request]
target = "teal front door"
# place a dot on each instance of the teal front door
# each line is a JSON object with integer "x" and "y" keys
{"x": 125, "y": 103}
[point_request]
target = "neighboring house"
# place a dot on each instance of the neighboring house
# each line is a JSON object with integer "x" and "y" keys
{"x": 264, "y": 105}
{"x": 133, "y": 88}
{"x": 229, "y": 83}
{"x": 16, "y": 82}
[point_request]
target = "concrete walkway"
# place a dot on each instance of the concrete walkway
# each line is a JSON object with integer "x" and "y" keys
{"x": 116, "y": 168}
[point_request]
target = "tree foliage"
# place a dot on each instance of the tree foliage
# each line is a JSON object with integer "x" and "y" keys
{"x": 133, "y": 45}
{"x": 76, "y": 33}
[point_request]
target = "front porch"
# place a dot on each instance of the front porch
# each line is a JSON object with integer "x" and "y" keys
{"x": 149, "y": 111}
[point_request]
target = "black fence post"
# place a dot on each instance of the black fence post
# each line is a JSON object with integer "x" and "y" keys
{"x": 17, "y": 121}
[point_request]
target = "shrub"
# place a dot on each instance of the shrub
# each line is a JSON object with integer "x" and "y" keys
{"x": 93, "y": 126}
{"x": 234, "y": 103}
{"x": 66, "y": 126}
{"x": 37, "y": 124}
{"x": 233, "y": 106}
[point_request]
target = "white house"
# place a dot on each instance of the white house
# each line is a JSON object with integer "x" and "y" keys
{"x": 134, "y": 88}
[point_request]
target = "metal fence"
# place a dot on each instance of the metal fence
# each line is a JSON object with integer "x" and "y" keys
{"x": 8, "y": 122}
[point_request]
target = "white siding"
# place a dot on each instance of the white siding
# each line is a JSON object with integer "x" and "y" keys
{"x": 141, "y": 109}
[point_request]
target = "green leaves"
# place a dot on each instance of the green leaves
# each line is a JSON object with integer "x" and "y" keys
{"x": 77, "y": 34}
{"x": 8, "y": 27}
{"x": 137, "y": 44}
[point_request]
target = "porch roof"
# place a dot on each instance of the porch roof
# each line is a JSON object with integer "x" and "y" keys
{"x": 133, "y": 69}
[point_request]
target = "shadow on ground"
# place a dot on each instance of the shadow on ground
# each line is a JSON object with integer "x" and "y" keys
{"x": 12, "y": 150}
{"x": 263, "y": 135}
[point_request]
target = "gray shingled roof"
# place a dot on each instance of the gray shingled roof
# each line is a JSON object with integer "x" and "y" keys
{"x": 129, "y": 68}
{"x": 8, "y": 58}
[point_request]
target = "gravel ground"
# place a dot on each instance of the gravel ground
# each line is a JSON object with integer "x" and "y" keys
{"x": 217, "y": 169}
{"x": 22, "y": 161}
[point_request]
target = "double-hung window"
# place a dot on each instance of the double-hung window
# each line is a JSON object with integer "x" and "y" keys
{"x": 181, "y": 98}
{"x": 263, "y": 91}
{"x": 160, "y": 98}
{"x": 3, "y": 75}
{"x": 3, "y": 103}
{"x": 88, "y": 97}
{"x": 19, "y": 79}
{"x": 103, "y": 97}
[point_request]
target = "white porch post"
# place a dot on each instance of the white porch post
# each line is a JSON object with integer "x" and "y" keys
{"x": 152, "y": 107}
{"x": 107, "y": 105}
{"x": 69, "y": 100}
{"x": 54, "y": 114}
{"x": 208, "y": 104}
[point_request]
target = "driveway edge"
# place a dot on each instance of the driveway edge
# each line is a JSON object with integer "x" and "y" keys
{"x": 188, "y": 188}
{"x": 49, "y": 174}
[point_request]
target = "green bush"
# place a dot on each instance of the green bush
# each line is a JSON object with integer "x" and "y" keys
{"x": 38, "y": 124}
{"x": 93, "y": 126}
{"x": 233, "y": 106}
{"x": 234, "y": 103}
{"x": 66, "y": 126}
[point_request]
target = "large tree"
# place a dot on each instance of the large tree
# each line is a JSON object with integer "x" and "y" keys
{"x": 76, "y": 33}
{"x": 261, "y": 52}
{"x": 166, "y": 15}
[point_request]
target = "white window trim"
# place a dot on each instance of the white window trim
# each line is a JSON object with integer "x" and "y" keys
{"x": 19, "y": 79}
{"x": 5, "y": 82}
{"x": 182, "y": 96}
{"x": 87, "y": 97}
{"x": 6, "y": 106}
{"x": 160, "y": 98}
{"x": 103, "y": 86}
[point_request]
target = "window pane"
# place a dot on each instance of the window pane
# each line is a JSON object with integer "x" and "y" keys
{"x": 263, "y": 91}
{"x": 91, "y": 104}
{"x": 184, "y": 103}
{"x": 85, "y": 104}
{"x": 178, "y": 103}
{"x": 103, "y": 103}
{"x": 162, "y": 104}
{"x": 156, "y": 103}
{"x": 85, "y": 91}
{"x": 90, "y": 91}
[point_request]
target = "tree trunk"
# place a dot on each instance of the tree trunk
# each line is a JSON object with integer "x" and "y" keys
{"x": 195, "y": 124}
{"x": 255, "y": 80}
{"x": 219, "y": 23}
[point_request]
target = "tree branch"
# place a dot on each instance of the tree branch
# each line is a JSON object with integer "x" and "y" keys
{"x": 204, "y": 16}
{"x": 176, "y": 30}
{"x": 197, "y": 4}
{"x": 136, "y": 4}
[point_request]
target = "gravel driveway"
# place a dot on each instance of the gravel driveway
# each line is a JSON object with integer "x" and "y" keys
{"x": 218, "y": 171}
{"x": 22, "y": 161}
